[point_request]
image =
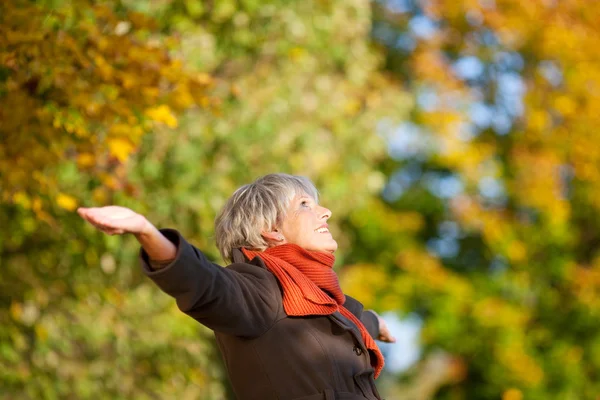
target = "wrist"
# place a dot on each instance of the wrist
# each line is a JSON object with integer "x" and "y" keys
{"x": 147, "y": 229}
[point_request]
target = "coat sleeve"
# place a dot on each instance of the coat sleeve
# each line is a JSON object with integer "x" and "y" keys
{"x": 241, "y": 300}
{"x": 371, "y": 322}
{"x": 368, "y": 318}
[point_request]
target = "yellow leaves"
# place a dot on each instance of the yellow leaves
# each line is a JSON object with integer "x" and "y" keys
{"x": 501, "y": 235}
{"x": 16, "y": 310}
{"x": 516, "y": 251}
{"x": 397, "y": 222}
{"x": 352, "y": 107}
{"x": 84, "y": 86}
{"x": 92, "y": 109}
{"x": 13, "y": 38}
{"x": 203, "y": 79}
{"x": 162, "y": 114}
{"x": 66, "y": 202}
{"x": 20, "y": 198}
{"x": 538, "y": 121}
{"x": 471, "y": 161}
{"x": 123, "y": 130}
{"x": 587, "y": 171}
{"x": 512, "y": 394}
{"x": 128, "y": 80}
{"x": 151, "y": 93}
{"x": 585, "y": 283}
{"x": 410, "y": 221}
{"x": 86, "y": 160}
{"x": 121, "y": 148}
{"x": 141, "y": 21}
{"x": 100, "y": 196}
{"x": 429, "y": 272}
{"x": 297, "y": 53}
{"x": 172, "y": 71}
{"x": 415, "y": 260}
{"x": 432, "y": 65}
{"x": 364, "y": 282}
{"x": 182, "y": 98}
{"x": 104, "y": 68}
{"x": 539, "y": 184}
{"x": 496, "y": 313}
{"x": 37, "y": 205}
{"x": 41, "y": 332}
{"x": 565, "y": 105}
{"x": 523, "y": 368}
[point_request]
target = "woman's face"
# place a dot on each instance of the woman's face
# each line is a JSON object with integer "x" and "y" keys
{"x": 305, "y": 225}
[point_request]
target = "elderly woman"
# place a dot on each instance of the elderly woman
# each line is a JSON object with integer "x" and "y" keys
{"x": 284, "y": 327}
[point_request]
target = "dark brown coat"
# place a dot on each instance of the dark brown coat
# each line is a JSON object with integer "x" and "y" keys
{"x": 268, "y": 354}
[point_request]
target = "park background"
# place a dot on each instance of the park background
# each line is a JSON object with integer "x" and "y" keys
{"x": 456, "y": 142}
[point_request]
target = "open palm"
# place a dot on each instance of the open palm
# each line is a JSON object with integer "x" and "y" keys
{"x": 114, "y": 220}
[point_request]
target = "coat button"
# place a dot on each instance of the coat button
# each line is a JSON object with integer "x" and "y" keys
{"x": 358, "y": 351}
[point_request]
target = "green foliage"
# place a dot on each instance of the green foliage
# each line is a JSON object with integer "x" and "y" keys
{"x": 485, "y": 228}
{"x": 294, "y": 88}
{"x": 495, "y": 162}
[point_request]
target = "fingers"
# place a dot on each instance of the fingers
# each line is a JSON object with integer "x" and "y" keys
{"x": 91, "y": 215}
{"x": 391, "y": 339}
{"x": 110, "y": 230}
{"x": 96, "y": 218}
{"x": 385, "y": 336}
{"x": 113, "y": 220}
{"x": 102, "y": 216}
{"x": 384, "y": 332}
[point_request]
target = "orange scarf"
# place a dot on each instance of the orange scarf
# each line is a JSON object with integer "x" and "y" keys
{"x": 311, "y": 287}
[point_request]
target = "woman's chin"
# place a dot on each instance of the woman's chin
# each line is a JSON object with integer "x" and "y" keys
{"x": 325, "y": 249}
{"x": 332, "y": 247}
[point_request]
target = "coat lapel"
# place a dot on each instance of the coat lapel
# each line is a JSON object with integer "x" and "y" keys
{"x": 347, "y": 325}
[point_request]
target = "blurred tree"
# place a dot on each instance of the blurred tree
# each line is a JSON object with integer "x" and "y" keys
{"x": 80, "y": 85}
{"x": 84, "y": 82}
{"x": 293, "y": 87}
{"x": 499, "y": 159}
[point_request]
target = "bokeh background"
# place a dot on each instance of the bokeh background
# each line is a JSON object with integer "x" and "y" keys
{"x": 456, "y": 142}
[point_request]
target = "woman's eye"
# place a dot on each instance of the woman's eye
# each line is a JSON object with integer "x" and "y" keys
{"x": 304, "y": 203}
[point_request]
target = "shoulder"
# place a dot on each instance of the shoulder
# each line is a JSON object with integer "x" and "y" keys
{"x": 255, "y": 270}
{"x": 354, "y": 306}
{"x": 242, "y": 264}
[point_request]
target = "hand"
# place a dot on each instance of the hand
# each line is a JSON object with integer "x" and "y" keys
{"x": 384, "y": 332}
{"x": 115, "y": 220}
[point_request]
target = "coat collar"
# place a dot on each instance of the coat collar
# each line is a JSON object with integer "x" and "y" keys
{"x": 237, "y": 256}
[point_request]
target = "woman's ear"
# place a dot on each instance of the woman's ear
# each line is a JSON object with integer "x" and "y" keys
{"x": 273, "y": 237}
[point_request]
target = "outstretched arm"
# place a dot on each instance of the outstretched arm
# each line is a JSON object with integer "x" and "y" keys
{"x": 115, "y": 220}
{"x": 241, "y": 300}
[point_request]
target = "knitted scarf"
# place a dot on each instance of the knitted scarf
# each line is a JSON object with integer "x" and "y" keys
{"x": 311, "y": 287}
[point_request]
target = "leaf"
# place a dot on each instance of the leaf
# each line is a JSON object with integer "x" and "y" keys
{"x": 66, "y": 202}
{"x": 162, "y": 114}
{"x": 121, "y": 148}
{"x": 86, "y": 160}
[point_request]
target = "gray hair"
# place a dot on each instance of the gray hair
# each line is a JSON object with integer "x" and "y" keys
{"x": 256, "y": 207}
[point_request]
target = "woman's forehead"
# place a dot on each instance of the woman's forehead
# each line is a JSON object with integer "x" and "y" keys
{"x": 303, "y": 191}
{"x": 303, "y": 196}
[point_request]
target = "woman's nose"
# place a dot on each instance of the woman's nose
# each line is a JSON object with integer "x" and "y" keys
{"x": 325, "y": 213}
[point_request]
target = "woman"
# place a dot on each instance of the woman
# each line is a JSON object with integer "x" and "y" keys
{"x": 281, "y": 321}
